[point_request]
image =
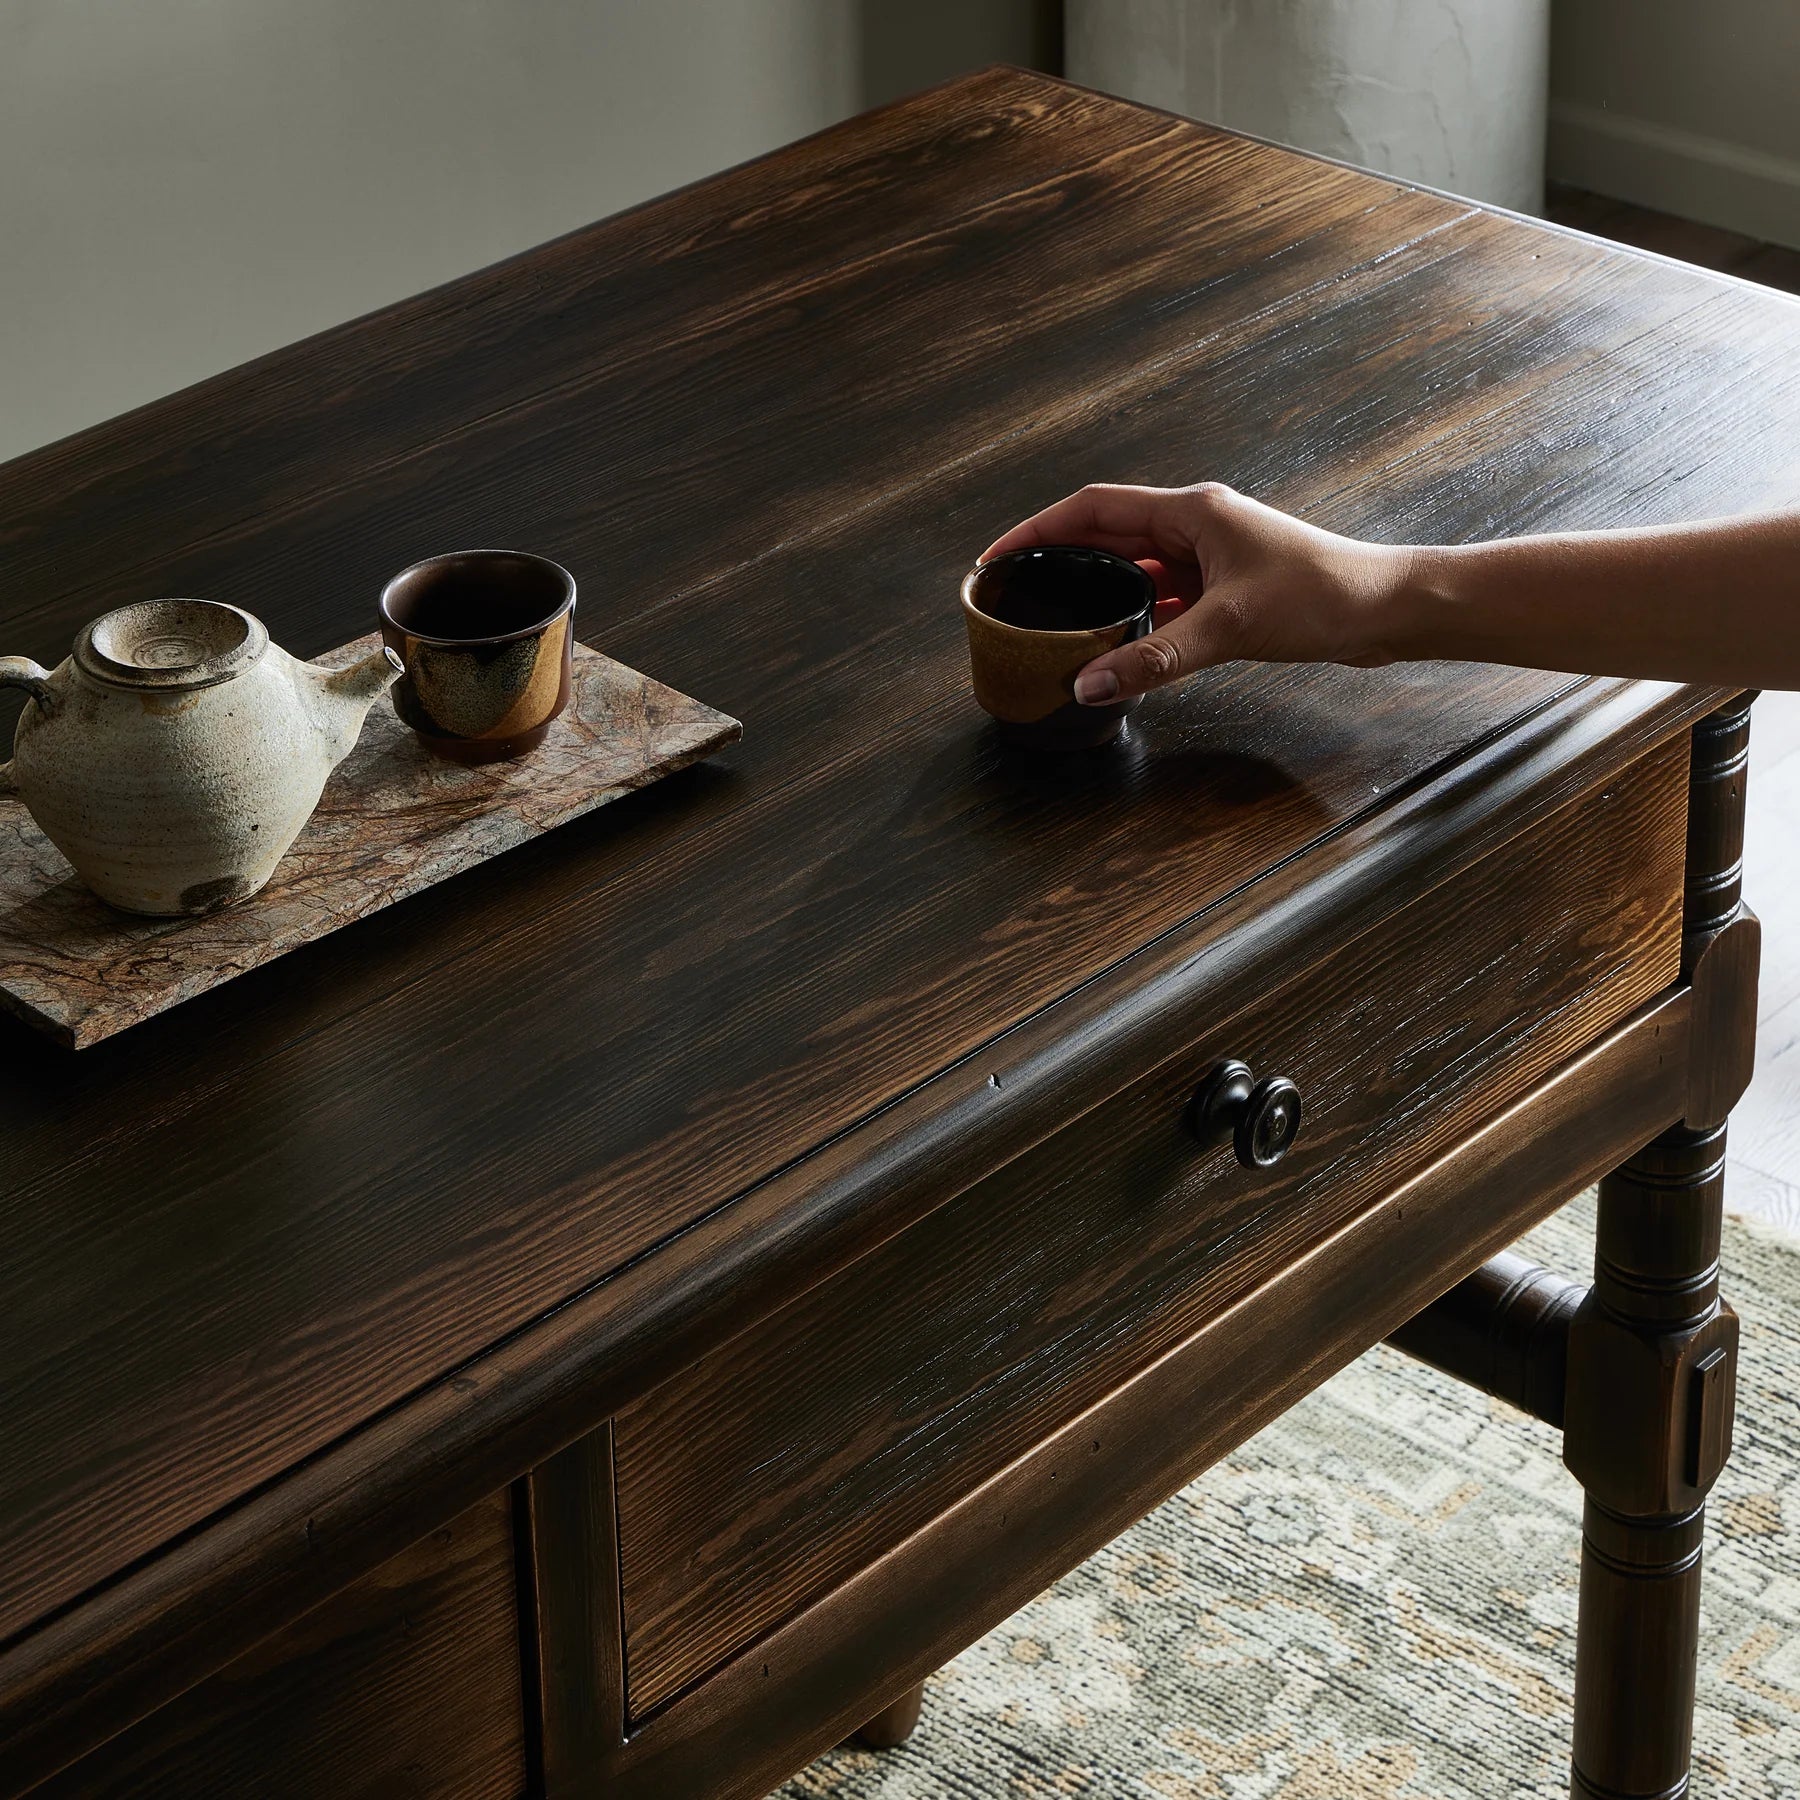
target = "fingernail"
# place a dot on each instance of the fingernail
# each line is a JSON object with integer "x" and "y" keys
{"x": 1094, "y": 687}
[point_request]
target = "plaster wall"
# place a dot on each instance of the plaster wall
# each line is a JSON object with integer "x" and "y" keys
{"x": 190, "y": 183}
{"x": 1448, "y": 92}
{"x": 1690, "y": 106}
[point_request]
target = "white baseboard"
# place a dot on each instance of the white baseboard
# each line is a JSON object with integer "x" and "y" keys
{"x": 1676, "y": 171}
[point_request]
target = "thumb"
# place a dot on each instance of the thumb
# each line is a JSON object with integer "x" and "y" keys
{"x": 1165, "y": 656}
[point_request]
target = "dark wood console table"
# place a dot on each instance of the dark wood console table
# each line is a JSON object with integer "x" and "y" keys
{"x": 615, "y": 1322}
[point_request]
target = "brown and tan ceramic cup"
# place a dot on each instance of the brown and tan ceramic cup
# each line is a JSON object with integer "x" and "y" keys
{"x": 1036, "y": 617}
{"x": 488, "y": 640}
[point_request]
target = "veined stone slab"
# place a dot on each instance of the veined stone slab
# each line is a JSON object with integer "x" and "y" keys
{"x": 393, "y": 819}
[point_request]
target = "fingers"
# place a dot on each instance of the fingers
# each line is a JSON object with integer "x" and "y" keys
{"x": 1159, "y": 528}
{"x": 1129, "y": 521}
{"x": 1178, "y": 585}
{"x": 1168, "y": 654}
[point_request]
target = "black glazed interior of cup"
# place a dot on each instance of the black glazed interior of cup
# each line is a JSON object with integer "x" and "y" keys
{"x": 1061, "y": 587}
{"x": 477, "y": 596}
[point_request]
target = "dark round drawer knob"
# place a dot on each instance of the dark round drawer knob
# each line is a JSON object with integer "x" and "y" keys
{"x": 1259, "y": 1119}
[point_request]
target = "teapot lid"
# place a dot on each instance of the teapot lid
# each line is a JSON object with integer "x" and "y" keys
{"x": 170, "y": 644}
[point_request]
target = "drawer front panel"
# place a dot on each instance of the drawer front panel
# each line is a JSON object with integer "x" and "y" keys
{"x": 406, "y": 1683}
{"x": 802, "y": 1450}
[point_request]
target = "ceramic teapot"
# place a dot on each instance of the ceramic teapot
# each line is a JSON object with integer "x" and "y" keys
{"x": 175, "y": 754}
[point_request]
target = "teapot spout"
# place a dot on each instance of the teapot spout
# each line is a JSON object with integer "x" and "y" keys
{"x": 348, "y": 694}
{"x": 363, "y": 683}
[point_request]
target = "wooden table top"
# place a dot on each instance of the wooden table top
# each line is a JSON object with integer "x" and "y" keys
{"x": 768, "y": 421}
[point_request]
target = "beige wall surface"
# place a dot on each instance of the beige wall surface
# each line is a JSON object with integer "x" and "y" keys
{"x": 1688, "y": 105}
{"x": 190, "y": 183}
{"x": 1449, "y": 92}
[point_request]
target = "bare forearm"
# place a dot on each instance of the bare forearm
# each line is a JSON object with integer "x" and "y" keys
{"x": 1714, "y": 602}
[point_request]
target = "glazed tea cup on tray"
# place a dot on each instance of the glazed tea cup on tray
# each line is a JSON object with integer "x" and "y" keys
{"x": 488, "y": 641}
{"x": 1036, "y": 618}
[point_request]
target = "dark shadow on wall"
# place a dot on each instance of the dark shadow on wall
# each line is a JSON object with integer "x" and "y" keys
{"x": 909, "y": 44}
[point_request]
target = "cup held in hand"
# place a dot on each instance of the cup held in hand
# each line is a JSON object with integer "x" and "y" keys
{"x": 1036, "y": 617}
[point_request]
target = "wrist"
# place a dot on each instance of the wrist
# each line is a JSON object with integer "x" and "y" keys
{"x": 1418, "y": 601}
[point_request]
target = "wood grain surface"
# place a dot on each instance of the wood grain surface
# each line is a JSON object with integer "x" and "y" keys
{"x": 786, "y": 1460}
{"x": 767, "y": 422}
{"x": 405, "y": 1684}
{"x": 575, "y": 1643}
{"x": 393, "y": 820}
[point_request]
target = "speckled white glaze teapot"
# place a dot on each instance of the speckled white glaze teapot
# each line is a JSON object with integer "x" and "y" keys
{"x": 175, "y": 755}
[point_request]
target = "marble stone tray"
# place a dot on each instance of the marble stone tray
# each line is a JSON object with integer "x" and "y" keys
{"x": 393, "y": 819}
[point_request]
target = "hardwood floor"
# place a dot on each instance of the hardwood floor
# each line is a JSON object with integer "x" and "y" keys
{"x": 1763, "y": 1174}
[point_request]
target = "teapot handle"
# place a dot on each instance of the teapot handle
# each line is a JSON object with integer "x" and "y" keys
{"x": 22, "y": 672}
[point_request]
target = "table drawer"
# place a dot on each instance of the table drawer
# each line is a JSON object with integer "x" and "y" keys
{"x": 405, "y": 1684}
{"x": 801, "y": 1451}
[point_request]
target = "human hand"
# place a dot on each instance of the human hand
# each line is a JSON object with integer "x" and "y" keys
{"x": 1234, "y": 578}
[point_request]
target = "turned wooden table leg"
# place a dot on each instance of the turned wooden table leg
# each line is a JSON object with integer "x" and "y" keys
{"x": 1648, "y": 1426}
{"x": 1652, "y": 1352}
{"x": 896, "y": 1723}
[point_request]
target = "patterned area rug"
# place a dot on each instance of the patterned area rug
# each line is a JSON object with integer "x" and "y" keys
{"x": 1375, "y": 1600}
